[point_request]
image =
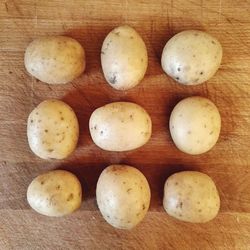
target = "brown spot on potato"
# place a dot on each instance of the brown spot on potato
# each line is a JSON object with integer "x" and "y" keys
{"x": 128, "y": 190}
{"x": 143, "y": 207}
{"x": 131, "y": 37}
{"x": 62, "y": 119}
{"x": 70, "y": 197}
{"x": 113, "y": 78}
{"x": 179, "y": 69}
{"x": 42, "y": 182}
{"x": 179, "y": 205}
{"x": 211, "y": 132}
{"x": 31, "y": 121}
{"x": 189, "y": 132}
{"x": 200, "y": 210}
{"x": 50, "y": 150}
{"x": 58, "y": 187}
{"x": 46, "y": 131}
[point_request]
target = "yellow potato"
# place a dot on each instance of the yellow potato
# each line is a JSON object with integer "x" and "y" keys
{"x": 120, "y": 126}
{"x": 52, "y": 130}
{"x": 55, "y": 59}
{"x": 191, "y": 196}
{"x": 195, "y": 124}
{"x": 123, "y": 196}
{"x": 124, "y": 58}
{"x": 191, "y": 57}
{"x": 55, "y": 193}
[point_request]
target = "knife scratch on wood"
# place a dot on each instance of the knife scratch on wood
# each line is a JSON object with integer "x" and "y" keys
{"x": 220, "y": 10}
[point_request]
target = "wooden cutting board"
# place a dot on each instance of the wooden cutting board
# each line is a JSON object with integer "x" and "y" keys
{"x": 228, "y": 163}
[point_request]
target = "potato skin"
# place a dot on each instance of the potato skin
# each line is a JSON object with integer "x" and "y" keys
{"x": 195, "y": 125}
{"x": 55, "y": 193}
{"x": 191, "y": 196}
{"x": 191, "y": 57}
{"x": 52, "y": 130}
{"x": 124, "y": 58}
{"x": 120, "y": 126}
{"x": 123, "y": 196}
{"x": 55, "y": 59}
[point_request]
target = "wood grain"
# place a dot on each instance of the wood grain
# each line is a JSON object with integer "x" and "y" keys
{"x": 89, "y": 22}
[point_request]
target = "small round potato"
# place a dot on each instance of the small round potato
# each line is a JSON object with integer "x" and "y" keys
{"x": 55, "y": 193}
{"x": 191, "y": 57}
{"x": 123, "y": 196}
{"x": 191, "y": 196}
{"x": 124, "y": 58}
{"x": 195, "y": 125}
{"x": 120, "y": 126}
{"x": 55, "y": 59}
{"x": 52, "y": 130}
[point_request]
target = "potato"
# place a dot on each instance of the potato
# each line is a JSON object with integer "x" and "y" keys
{"x": 120, "y": 126}
{"x": 191, "y": 57}
{"x": 191, "y": 196}
{"x": 195, "y": 125}
{"x": 52, "y": 130}
{"x": 124, "y": 58}
{"x": 123, "y": 196}
{"x": 55, "y": 59}
{"x": 55, "y": 193}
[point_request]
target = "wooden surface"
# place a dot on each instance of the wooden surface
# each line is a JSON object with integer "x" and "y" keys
{"x": 89, "y": 21}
